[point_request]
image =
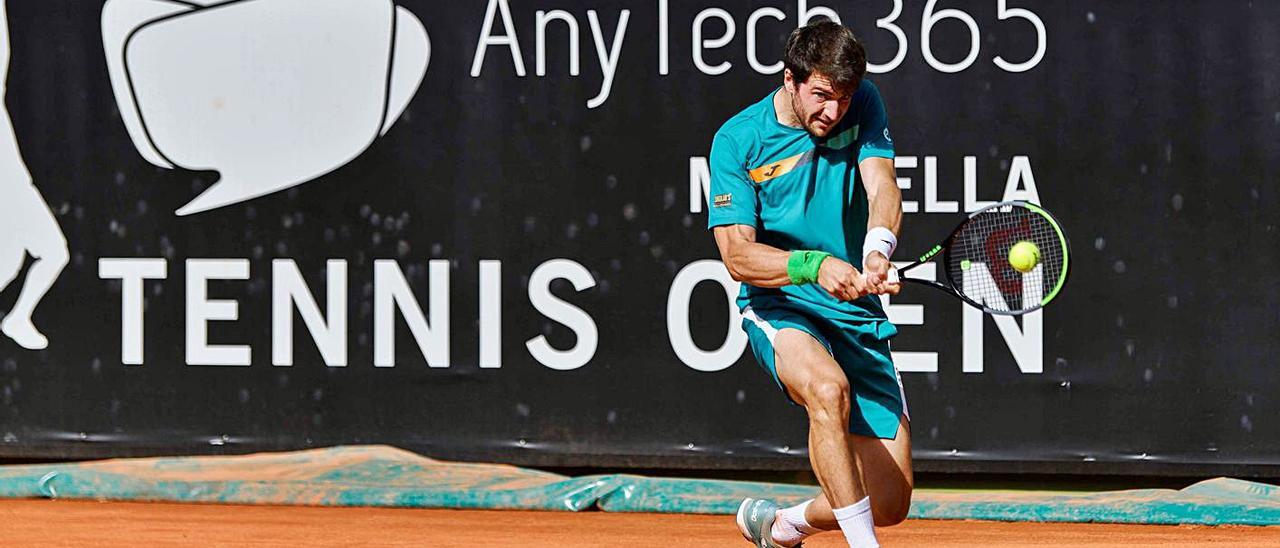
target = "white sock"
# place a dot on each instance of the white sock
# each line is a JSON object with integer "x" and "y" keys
{"x": 857, "y": 523}
{"x": 790, "y": 526}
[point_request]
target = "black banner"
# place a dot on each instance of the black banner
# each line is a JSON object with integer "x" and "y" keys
{"x": 476, "y": 230}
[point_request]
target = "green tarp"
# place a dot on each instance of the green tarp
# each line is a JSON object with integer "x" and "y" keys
{"x": 386, "y": 476}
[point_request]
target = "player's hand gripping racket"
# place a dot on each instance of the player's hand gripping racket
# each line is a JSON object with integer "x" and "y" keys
{"x": 1009, "y": 258}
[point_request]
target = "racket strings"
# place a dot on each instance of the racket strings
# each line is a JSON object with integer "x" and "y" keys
{"x": 977, "y": 259}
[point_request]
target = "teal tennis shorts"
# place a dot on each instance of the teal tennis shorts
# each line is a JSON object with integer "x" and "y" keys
{"x": 860, "y": 347}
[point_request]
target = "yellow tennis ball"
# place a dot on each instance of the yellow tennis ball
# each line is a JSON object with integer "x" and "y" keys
{"x": 1024, "y": 256}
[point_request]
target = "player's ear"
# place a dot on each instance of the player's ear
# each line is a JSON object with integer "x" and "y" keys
{"x": 789, "y": 80}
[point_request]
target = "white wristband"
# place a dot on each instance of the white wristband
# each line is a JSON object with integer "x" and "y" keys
{"x": 879, "y": 239}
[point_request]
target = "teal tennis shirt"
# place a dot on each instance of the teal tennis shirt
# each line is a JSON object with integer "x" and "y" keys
{"x": 800, "y": 192}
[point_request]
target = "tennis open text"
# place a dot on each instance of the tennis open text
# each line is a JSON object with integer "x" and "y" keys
{"x": 392, "y": 296}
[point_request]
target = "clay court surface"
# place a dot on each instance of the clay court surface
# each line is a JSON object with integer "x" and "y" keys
{"x": 65, "y": 523}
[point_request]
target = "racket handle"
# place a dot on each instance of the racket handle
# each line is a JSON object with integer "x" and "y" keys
{"x": 893, "y": 275}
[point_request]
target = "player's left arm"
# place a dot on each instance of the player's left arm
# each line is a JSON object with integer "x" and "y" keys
{"x": 875, "y": 155}
{"x": 884, "y": 200}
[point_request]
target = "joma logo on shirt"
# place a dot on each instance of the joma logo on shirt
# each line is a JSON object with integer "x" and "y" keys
{"x": 723, "y": 200}
{"x": 779, "y": 168}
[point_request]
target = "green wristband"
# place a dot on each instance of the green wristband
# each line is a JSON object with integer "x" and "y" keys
{"x": 803, "y": 266}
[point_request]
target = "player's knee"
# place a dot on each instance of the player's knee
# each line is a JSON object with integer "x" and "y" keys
{"x": 56, "y": 253}
{"x": 889, "y": 511}
{"x": 830, "y": 395}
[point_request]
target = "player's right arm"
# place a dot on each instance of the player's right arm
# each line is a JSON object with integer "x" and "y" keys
{"x": 733, "y": 216}
{"x": 762, "y": 265}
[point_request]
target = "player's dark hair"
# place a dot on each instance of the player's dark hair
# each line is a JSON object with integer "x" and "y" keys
{"x": 828, "y": 48}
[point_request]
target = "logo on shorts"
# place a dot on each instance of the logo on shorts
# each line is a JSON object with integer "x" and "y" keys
{"x": 723, "y": 200}
{"x": 886, "y": 135}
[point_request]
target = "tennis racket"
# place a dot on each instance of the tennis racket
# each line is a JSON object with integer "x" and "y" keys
{"x": 976, "y": 264}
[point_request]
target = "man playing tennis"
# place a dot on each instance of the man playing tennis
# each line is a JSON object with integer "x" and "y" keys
{"x": 805, "y": 208}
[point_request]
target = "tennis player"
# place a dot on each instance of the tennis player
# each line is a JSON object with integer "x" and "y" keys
{"x": 806, "y": 209}
{"x": 26, "y": 222}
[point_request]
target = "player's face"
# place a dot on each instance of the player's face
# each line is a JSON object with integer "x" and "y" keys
{"x": 817, "y": 104}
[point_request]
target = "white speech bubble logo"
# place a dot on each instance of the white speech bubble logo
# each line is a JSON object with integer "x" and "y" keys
{"x": 269, "y": 93}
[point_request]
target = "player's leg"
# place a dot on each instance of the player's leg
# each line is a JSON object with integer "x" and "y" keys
{"x": 43, "y": 238}
{"x": 885, "y": 467}
{"x": 12, "y": 252}
{"x": 886, "y": 471}
{"x": 11, "y": 256}
{"x": 788, "y": 345}
{"x": 815, "y": 381}
{"x": 878, "y": 436}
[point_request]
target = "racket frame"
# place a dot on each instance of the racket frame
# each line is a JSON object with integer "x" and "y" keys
{"x": 944, "y": 249}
